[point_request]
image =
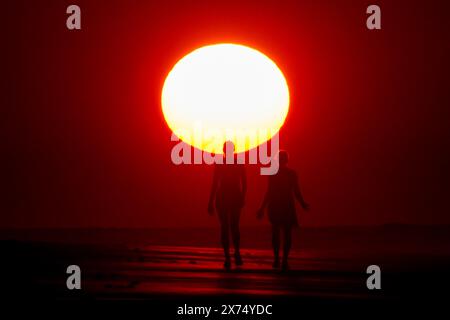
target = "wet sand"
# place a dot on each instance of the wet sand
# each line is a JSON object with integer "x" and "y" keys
{"x": 326, "y": 265}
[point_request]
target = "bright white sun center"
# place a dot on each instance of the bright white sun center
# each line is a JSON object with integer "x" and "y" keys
{"x": 225, "y": 92}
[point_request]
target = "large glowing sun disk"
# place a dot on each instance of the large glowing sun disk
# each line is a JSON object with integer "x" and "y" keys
{"x": 225, "y": 92}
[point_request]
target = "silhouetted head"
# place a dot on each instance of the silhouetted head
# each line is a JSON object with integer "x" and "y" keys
{"x": 228, "y": 147}
{"x": 283, "y": 157}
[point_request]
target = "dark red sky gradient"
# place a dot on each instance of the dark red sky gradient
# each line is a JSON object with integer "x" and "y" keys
{"x": 84, "y": 142}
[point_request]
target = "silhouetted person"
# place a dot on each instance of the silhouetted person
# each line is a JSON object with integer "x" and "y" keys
{"x": 280, "y": 202}
{"x": 228, "y": 192}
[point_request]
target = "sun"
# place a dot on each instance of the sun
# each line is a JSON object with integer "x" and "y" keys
{"x": 225, "y": 92}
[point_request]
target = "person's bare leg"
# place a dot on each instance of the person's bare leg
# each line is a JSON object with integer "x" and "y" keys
{"x": 234, "y": 225}
{"x": 286, "y": 246}
{"x": 225, "y": 238}
{"x": 276, "y": 246}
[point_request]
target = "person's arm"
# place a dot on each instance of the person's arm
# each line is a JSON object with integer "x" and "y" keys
{"x": 298, "y": 194}
{"x": 214, "y": 187}
{"x": 243, "y": 184}
{"x": 260, "y": 212}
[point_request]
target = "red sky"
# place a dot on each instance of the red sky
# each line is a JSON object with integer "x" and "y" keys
{"x": 84, "y": 142}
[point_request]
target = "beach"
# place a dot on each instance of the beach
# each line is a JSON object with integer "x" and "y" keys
{"x": 327, "y": 266}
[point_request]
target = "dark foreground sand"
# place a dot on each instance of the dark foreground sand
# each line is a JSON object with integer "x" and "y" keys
{"x": 328, "y": 266}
